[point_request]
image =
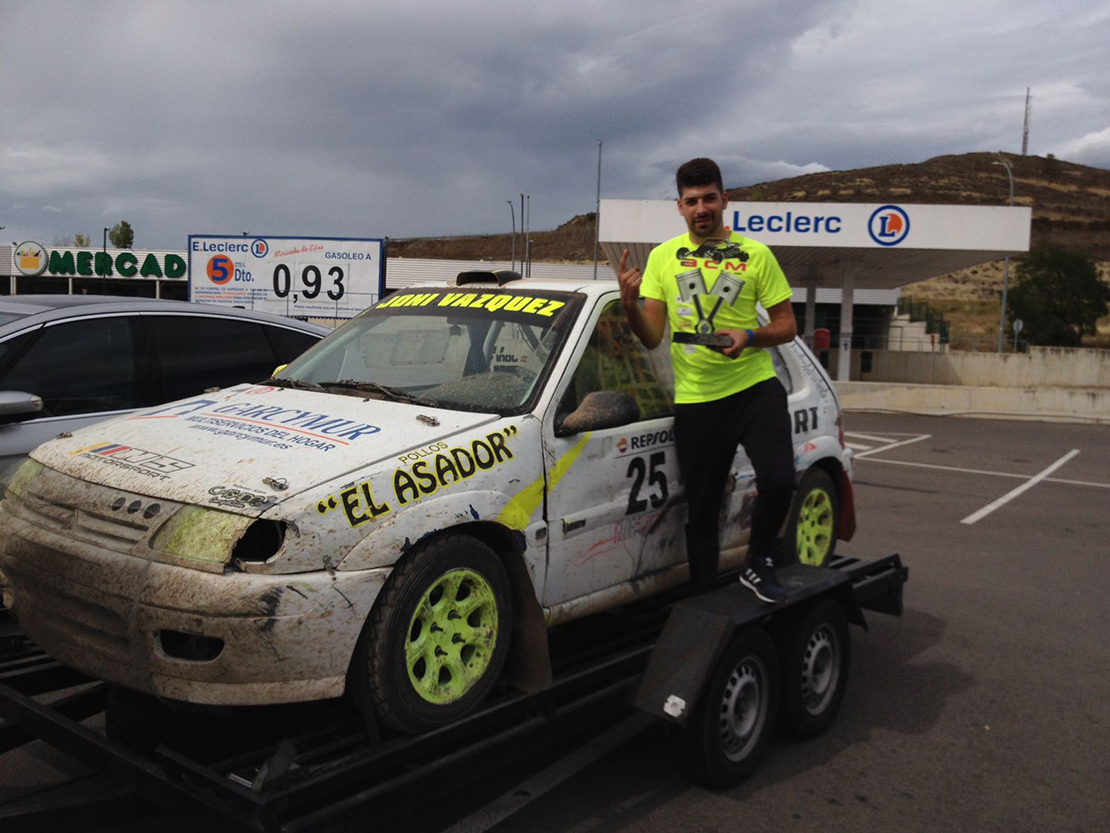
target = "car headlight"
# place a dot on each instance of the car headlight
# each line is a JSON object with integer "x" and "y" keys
{"x": 217, "y": 537}
{"x": 28, "y": 470}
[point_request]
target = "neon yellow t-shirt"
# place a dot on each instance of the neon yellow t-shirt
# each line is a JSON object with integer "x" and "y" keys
{"x": 713, "y": 287}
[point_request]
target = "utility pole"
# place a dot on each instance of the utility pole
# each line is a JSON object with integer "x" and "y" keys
{"x": 597, "y": 208}
{"x": 1025, "y": 131}
{"x": 512, "y": 214}
{"x": 1006, "y": 269}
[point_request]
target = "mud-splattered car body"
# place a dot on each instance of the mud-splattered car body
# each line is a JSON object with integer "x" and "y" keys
{"x": 230, "y": 548}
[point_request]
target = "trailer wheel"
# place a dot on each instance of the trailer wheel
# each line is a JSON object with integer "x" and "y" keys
{"x": 438, "y": 636}
{"x": 815, "y": 663}
{"x": 811, "y": 532}
{"x": 732, "y": 722}
{"x": 137, "y": 720}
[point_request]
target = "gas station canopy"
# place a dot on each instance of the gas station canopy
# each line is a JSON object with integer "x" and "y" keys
{"x": 837, "y": 245}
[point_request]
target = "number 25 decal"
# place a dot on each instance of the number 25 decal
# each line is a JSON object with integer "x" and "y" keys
{"x": 656, "y": 477}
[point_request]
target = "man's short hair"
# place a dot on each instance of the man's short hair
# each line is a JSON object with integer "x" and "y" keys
{"x": 697, "y": 173}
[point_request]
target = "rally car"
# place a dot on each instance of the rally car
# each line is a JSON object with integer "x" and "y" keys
{"x": 456, "y": 466}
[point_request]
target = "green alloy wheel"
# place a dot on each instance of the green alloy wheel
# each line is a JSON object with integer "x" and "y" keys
{"x": 452, "y": 636}
{"x": 812, "y": 529}
{"x": 438, "y": 636}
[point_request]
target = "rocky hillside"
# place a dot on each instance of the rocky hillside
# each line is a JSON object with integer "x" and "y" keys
{"x": 1071, "y": 207}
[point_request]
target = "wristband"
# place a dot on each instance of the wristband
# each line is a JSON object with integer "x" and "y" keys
{"x": 751, "y": 338}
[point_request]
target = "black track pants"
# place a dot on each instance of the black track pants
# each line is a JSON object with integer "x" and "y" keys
{"x": 706, "y": 437}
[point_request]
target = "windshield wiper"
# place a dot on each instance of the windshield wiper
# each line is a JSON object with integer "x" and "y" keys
{"x": 385, "y": 391}
{"x": 295, "y": 384}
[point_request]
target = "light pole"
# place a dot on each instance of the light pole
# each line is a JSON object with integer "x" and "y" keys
{"x": 512, "y": 214}
{"x": 1006, "y": 268}
{"x": 104, "y": 266}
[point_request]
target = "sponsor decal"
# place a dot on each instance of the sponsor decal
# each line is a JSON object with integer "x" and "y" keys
{"x": 488, "y": 301}
{"x": 133, "y": 459}
{"x": 436, "y": 467}
{"x": 649, "y": 439}
{"x": 266, "y": 424}
{"x": 888, "y": 225}
{"x": 30, "y": 258}
{"x": 239, "y": 497}
{"x": 805, "y": 420}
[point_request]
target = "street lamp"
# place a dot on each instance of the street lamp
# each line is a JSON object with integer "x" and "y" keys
{"x": 1005, "y": 269}
{"x": 104, "y": 266}
{"x": 512, "y": 214}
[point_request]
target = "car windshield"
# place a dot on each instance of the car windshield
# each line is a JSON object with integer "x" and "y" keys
{"x": 471, "y": 349}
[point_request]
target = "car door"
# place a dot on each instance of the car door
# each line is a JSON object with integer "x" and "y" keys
{"x": 85, "y": 369}
{"x": 614, "y": 505}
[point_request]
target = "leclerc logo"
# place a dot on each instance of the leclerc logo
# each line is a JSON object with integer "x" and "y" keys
{"x": 888, "y": 225}
{"x": 220, "y": 269}
{"x": 259, "y": 247}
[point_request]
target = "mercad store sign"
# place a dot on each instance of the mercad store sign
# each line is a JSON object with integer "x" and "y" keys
{"x": 31, "y": 260}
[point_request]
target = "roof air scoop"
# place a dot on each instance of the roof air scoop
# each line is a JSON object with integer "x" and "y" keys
{"x": 501, "y": 276}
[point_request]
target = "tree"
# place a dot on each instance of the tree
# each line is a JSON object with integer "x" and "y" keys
{"x": 121, "y": 235}
{"x": 62, "y": 240}
{"x": 81, "y": 240}
{"x": 1058, "y": 295}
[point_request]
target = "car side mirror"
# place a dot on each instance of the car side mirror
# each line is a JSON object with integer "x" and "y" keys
{"x": 15, "y": 405}
{"x": 599, "y": 409}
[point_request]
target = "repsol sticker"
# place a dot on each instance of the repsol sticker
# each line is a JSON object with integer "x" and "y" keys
{"x": 422, "y": 473}
{"x": 489, "y": 301}
{"x": 649, "y": 439}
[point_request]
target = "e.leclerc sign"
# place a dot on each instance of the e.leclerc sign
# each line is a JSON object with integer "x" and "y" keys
{"x": 301, "y": 276}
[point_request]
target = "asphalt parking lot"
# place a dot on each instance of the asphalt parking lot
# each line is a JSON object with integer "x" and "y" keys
{"x": 985, "y": 707}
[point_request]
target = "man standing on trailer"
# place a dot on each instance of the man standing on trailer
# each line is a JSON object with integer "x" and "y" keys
{"x": 707, "y": 281}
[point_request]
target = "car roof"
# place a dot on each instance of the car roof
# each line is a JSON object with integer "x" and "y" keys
{"x": 592, "y": 288}
{"x": 21, "y": 311}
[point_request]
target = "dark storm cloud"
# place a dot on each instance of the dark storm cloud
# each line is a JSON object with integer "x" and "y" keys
{"x": 349, "y": 120}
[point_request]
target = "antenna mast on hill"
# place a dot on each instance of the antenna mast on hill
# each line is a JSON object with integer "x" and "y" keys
{"x": 1025, "y": 132}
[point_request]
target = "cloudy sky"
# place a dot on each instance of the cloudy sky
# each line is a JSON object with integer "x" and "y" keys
{"x": 402, "y": 119}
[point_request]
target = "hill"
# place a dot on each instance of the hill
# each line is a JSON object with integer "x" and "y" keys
{"x": 1070, "y": 202}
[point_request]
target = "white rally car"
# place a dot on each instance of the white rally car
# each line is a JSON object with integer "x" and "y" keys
{"x": 457, "y": 465}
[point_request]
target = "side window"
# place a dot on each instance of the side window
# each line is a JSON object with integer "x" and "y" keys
{"x": 615, "y": 359}
{"x": 79, "y": 367}
{"x": 198, "y": 353}
{"x": 781, "y": 368}
{"x": 288, "y": 344}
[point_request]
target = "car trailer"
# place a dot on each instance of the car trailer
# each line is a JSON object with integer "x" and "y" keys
{"x": 721, "y": 669}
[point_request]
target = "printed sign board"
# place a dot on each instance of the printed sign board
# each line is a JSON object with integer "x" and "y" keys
{"x": 318, "y": 277}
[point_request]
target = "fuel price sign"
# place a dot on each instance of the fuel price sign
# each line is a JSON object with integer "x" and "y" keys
{"x": 316, "y": 277}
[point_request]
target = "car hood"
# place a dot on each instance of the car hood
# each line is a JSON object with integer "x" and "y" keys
{"x": 249, "y": 447}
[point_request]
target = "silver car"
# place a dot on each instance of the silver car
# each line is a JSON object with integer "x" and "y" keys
{"x": 70, "y": 360}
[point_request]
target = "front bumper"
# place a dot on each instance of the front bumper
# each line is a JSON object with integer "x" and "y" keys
{"x": 286, "y": 638}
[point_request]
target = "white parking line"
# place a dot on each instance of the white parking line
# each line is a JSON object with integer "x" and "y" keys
{"x": 1062, "y": 480}
{"x": 523, "y": 794}
{"x": 915, "y": 439}
{"x": 1024, "y": 487}
{"x": 856, "y": 435}
{"x": 858, "y": 446}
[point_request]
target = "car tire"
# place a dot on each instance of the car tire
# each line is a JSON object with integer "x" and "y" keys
{"x": 812, "y": 527}
{"x": 438, "y": 636}
{"x": 815, "y": 660}
{"x": 735, "y": 717}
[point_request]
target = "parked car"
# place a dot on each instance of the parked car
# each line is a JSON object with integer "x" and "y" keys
{"x": 67, "y": 361}
{"x": 455, "y": 465}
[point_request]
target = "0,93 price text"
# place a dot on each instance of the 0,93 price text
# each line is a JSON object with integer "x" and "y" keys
{"x": 312, "y": 282}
